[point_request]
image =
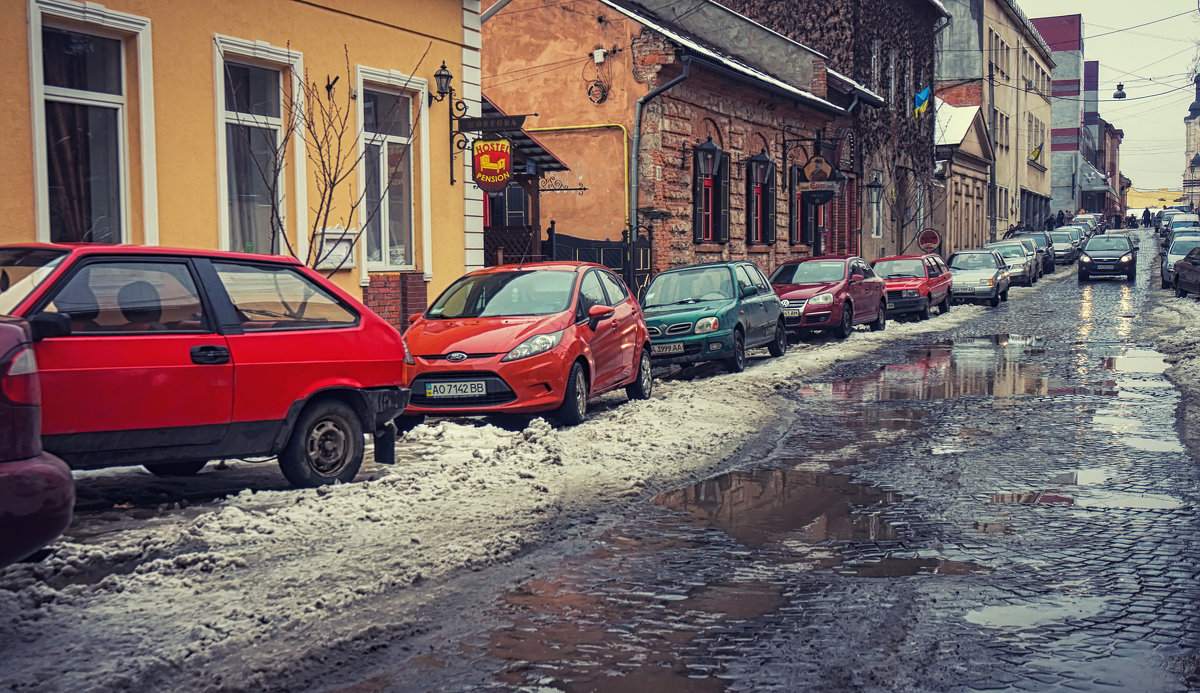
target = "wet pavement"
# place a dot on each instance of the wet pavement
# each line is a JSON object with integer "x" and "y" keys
{"x": 1003, "y": 507}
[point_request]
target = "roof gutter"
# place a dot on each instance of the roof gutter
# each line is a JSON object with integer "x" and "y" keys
{"x": 634, "y": 155}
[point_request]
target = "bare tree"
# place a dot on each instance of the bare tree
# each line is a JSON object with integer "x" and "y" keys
{"x": 911, "y": 200}
{"x": 325, "y": 117}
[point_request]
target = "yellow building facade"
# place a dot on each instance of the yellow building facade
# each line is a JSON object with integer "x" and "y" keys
{"x": 263, "y": 126}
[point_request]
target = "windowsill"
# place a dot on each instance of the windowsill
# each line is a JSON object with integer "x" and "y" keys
{"x": 1036, "y": 165}
{"x": 390, "y": 268}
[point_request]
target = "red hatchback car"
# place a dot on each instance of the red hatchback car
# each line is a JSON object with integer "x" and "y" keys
{"x": 832, "y": 293}
{"x": 915, "y": 284}
{"x": 529, "y": 338}
{"x": 170, "y": 358}
{"x": 37, "y": 493}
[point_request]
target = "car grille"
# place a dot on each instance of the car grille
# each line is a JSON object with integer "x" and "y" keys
{"x": 498, "y": 391}
{"x": 442, "y": 357}
{"x": 679, "y": 328}
{"x": 653, "y": 331}
{"x": 895, "y": 294}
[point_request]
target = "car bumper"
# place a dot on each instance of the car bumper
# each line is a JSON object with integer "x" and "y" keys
{"x": 1168, "y": 273}
{"x": 813, "y": 317}
{"x": 385, "y": 404}
{"x": 691, "y": 348}
{"x": 899, "y": 306}
{"x": 974, "y": 293}
{"x": 1098, "y": 269}
{"x": 37, "y": 496}
{"x": 525, "y": 386}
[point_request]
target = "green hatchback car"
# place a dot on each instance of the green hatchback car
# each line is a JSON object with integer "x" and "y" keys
{"x": 712, "y": 312}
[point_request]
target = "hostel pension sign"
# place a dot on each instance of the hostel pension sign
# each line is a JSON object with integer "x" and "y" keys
{"x": 492, "y": 164}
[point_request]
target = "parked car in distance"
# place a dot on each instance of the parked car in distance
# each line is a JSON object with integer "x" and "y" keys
{"x": 712, "y": 312}
{"x": 1078, "y": 235}
{"x": 1108, "y": 255}
{"x": 1018, "y": 259}
{"x": 1045, "y": 249}
{"x": 1186, "y": 277}
{"x": 202, "y": 355}
{"x": 1179, "y": 248}
{"x": 979, "y": 275}
{"x": 1065, "y": 250}
{"x": 1179, "y": 225}
{"x": 1036, "y": 253}
{"x": 915, "y": 284}
{"x": 830, "y": 293}
{"x": 37, "y": 493}
{"x": 531, "y": 338}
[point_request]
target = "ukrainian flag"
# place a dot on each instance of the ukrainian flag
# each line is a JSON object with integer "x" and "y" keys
{"x": 921, "y": 101}
{"x": 1037, "y": 152}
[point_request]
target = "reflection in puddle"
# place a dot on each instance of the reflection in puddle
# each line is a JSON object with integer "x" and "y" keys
{"x": 1152, "y": 444}
{"x": 992, "y": 528}
{"x": 1009, "y": 616}
{"x": 1092, "y": 498}
{"x": 1032, "y": 497}
{"x": 1136, "y": 361}
{"x": 1082, "y": 477}
{"x": 901, "y": 567}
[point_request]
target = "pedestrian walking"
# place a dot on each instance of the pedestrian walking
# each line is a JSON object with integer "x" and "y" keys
{"x": 1062, "y": 217}
{"x": 1146, "y": 217}
{"x": 1050, "y": 222}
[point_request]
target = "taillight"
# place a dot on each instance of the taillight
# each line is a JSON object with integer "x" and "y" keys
{"x": 19, "y": 381}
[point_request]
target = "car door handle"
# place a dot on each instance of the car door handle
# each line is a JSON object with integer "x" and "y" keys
{"x": 209, "y": 354}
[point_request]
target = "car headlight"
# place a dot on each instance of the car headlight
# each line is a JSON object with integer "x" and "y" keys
{"x": 825, "y": 299}
{"x": 537, "y": 344}
{"x": 987, "y": 282}
{"x": 706, "y": 325}
{"x": 1126, "y": 257}
{"x": 910, "y": 293}
{"x": 1084, "y": 258}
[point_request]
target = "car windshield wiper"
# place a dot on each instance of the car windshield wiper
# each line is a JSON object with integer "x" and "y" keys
{"x": 903, "y": 276}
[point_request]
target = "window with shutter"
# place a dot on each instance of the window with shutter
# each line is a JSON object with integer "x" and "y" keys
{"x": 721, "y": 215}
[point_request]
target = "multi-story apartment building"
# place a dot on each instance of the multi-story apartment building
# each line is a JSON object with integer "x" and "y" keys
{"x": 993, "y": 57}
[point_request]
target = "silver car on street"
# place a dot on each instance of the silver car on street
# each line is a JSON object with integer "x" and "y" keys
{"x": 1019, "y": 260}
{"x": 979, "y": 275}
{"x": 1178, "y": 249}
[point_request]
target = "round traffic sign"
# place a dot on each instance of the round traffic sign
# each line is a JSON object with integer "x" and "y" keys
{"x": 929, "y": 240}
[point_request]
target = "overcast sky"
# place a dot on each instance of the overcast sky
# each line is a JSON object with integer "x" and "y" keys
{"x": 1155, "y": 62}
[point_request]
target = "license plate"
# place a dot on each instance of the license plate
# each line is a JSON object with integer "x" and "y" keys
{"x": 472, "y": 388}
{"x": 791, "y": 312}
{"x": 964, "y": 290}
{"x": 671, "y": 348}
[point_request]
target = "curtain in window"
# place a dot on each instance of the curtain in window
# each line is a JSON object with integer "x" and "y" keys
{"x": 250, "y": 161}
{"x": 83, "y": 173}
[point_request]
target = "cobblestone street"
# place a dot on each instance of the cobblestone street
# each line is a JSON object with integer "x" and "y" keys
{"x": 1003, "y": 507}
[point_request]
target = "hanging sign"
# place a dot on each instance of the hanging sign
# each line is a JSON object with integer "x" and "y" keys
{"x": 929, "y": 240}
{"x": 817, "y": 181}
{"x": 492, "y": 164}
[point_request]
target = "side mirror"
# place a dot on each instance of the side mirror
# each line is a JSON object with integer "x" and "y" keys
{"x": 748, "y": 291}
{"x": 45, "y": 325}
{"x": 855, "y": 278}
{"x": 414, "y": 317}
{"x": 598, "y": 313}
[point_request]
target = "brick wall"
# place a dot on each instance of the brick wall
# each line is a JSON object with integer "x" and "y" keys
{"x": 961, "y": 94}
{"x": 396, "y": 295}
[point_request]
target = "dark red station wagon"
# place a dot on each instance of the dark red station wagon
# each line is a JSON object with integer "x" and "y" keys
{"x": 170, "y": 358}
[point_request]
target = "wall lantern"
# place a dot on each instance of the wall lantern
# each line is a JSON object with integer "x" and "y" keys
{"x": 874, "y": 190}
{"x": 1120, "y": 92}
{"x": 760, "y": 168}
{"x": 708, "y": 154}
{"x": 442, "y": 78}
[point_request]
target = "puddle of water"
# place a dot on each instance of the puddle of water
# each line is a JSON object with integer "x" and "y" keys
{"x": 1082, "y": 477}
{"x": 1136, "y": 361}
{"x": 1092, "y": 498}
{"x": 1013, "y": 616}
{"x": 992, "y": 528}
{"x": 1033, "y": 497}
{"x": 902, "y": 567}
{"x": 1152, "y": 444}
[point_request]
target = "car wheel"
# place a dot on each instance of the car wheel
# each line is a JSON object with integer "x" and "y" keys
{"x": 846, "y": 326}
{"x": 994, "y": 301}
{"x": 923, "y": 314}
{"x": 573, "y": 409}
{"x": 1083, "y": 277}
{"x": 1004, "y": 295}
{"x": 1165, "y": 284}
{"x": 1179, "y": 291}
{"x": 644, "y": 385}
{"x": 945, "y": 306}
{"x": 1131, "y": 276}
{"x": 326, "y": 446}
{"x": 737, "y": 362}
{"x": 1050, "y": 268}
{"x": 778, "y": 346}
{"x": 176, "y": 468}
{"x": 879, "y": 324}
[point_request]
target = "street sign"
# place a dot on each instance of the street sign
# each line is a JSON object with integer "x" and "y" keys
{"x": 492, "y": 164}
{"x": 929, "y": 240}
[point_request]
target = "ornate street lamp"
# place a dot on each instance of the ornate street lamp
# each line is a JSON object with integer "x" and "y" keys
{"x": 760, "y": 168}
{"x": 457, "y": 110}
{"x": 442, "y": 79}
{"x": 707, "y": 155}
{"x": 874, "y": 190}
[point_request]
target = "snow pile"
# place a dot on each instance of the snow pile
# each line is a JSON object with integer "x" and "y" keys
{"x": 1177, "y": 321}
{"x": 245, "y": 589}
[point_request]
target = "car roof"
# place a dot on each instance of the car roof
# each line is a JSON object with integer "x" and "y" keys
{"x": 561, "y": 265}
{"x": 905, "y": 257}
{"x": 151, "y": 250}
{"x": 722, "y": 263}
{"x": 843, "y": 258}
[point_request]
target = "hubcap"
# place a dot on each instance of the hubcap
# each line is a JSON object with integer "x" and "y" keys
{"x": 645, "y": 374}
{"x": 580, "y": 394}
{"x": 327, "y": 447}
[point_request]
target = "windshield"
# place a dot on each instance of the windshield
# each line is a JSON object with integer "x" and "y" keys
{"x": 900, "y": 269}
{"x": 503, "y": 294}
{"x": 22, "y": 270}
{"x": 690, "y": 286}
{"x": 1076, "y": 233}
{"x": 1183, "y": 246}
{"x": 1010, "y": 250}
{"x": 1039, "y": 241}
{"x": 972, "y": 261}
{"x": 812, "y": 272}
{"x": 1061, "y": 237}
{"x": 1183, "y": 224}
{"x": 1108, "y": 243}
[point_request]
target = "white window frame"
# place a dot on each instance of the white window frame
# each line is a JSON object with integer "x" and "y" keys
{"x": 290, "y": 64}
{"x": 90, "y": 18}
{"x": 417, "y": 89}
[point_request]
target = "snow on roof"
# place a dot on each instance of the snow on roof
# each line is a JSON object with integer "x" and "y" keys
{"x": 858, "y": 86}
{"x": 951, "y": 122}
{"x": 731, "y": 63}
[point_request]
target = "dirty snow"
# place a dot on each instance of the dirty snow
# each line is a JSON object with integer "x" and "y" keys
{"x": 232, "y": 594}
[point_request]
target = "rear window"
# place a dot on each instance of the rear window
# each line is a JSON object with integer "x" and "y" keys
{"x": 272, "y": 297}
{"x": 22, "y": 270}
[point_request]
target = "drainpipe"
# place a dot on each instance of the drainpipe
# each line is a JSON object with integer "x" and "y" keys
{"x": 487, "y": 14}
{"x": 597, "y": 126}
{"x": 633, "y": 161}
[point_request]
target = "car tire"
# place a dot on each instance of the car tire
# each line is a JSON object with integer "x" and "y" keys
{"x": 325, "y": 447}
{"x": 994, "y": 301}
{"x": 846, "y": 326}
{"x": 176, "y": 468}
{"x": 1165, "y": 284}
{"x": 1131, "y": 276}
{"x": 1004, "y": 295}
{"x": 737, "y": 362}
{"x": 778, "y": 346}
{"x": 944, "y": 306}
{"x": 1083, "y": 277}
{"x": 643, "y": 385}
{"x": 879, "y": 324}
{"x": 573, "y": 409}
{"x": 1051, "y": 269}
{"x": 1179, "y": 290}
